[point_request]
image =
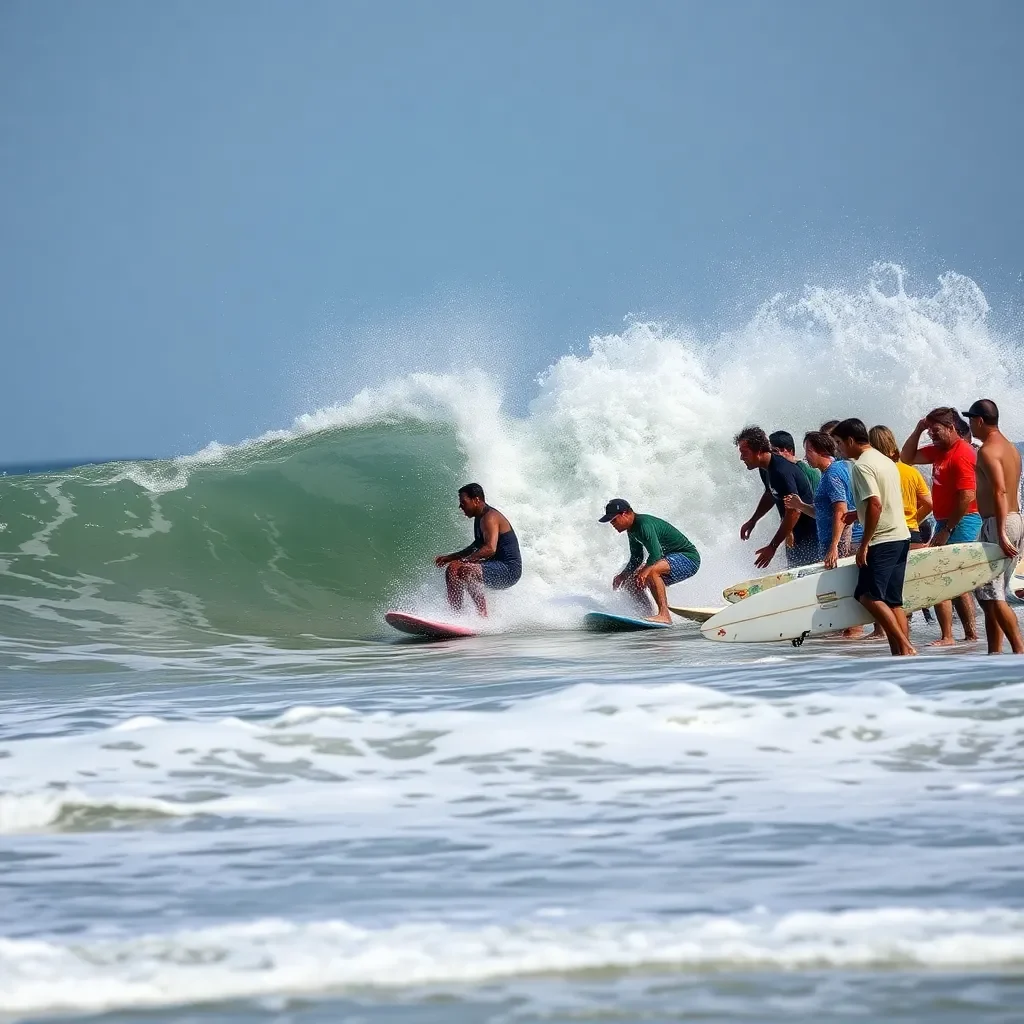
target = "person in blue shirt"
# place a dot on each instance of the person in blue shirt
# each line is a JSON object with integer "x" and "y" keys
{"x": 832, "y": 500}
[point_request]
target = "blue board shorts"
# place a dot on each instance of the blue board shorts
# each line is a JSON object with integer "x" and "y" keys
{"x": 679, "y": 568}
{"x": 967, "y": 530}
{"x": 500, "y": 575}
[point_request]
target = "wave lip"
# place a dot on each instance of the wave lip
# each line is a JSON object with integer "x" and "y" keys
{"x": 276, "y": 957}
{"x": 72, "y": 810}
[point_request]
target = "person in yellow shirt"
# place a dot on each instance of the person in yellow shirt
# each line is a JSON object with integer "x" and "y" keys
{"x": 917, "y": 499}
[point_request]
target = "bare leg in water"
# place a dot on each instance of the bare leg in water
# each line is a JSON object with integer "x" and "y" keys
{"x": 1000, "y": 623}
{"x": 894, "y": 622}
{"x": 944, "y": 613}
{"x": 463, "y": 577}
{"x": 655, "y": 583}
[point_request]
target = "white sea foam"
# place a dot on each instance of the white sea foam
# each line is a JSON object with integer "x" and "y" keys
{"x": 276, "y": 957}
{"x": 567, "y": 751}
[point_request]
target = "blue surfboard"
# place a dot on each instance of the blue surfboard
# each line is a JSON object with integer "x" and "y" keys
{"x": 605, "y": 622}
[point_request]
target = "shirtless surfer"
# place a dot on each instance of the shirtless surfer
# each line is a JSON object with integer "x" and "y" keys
{"x": 998, "y": 492}
{"x": 492, "y": 561}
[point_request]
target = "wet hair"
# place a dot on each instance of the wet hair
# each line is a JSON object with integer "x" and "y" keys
{"x": 852, "y": 429}
{"x": 963, "y": 428}
{"x": 828, "y": 426}
{"x": 944, "y": 416}
{"x": 884, "y": 440}
{"x": 822, "y": 443}
{"x": 472, "y": 491}
{"x": 783, "y": 440}
{"x": 756, "y": 438}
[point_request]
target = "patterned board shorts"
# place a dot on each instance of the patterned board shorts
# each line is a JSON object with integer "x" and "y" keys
{"x": 679, "y": 568}
{"x": 996, "y": 589}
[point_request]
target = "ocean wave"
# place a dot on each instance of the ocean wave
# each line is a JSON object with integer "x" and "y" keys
{"x": 277, "y": 957}
{"x": 312, "y": 530}
{"x": 652, "y": 747}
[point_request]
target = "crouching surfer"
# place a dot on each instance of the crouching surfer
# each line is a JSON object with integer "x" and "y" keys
{"x": 671, "y": 557}
{"x": 492, "y": 561}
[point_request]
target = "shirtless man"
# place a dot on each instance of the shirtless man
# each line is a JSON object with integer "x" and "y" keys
{"x": 492, "y": 560}
{"x": 998, "y": 476}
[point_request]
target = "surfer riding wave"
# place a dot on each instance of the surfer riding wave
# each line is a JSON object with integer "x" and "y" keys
{"x": 492, "y": 561}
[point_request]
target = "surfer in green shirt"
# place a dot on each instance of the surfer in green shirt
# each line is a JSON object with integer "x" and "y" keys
{"x": 671, "y": 557}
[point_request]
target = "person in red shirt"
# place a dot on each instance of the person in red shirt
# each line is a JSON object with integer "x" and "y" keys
{"x": 954, "y": 487}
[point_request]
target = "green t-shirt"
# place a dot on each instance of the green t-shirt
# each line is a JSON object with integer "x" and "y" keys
{"x": 658, "y": 539}
{"x": 813, "y": 475}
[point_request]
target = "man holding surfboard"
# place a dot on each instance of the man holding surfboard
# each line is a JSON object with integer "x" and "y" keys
{"x": 671, "y": 557}
{"x": 998, "y": 493}
{"x": 885, "y": 543}
{"x": 492, "y": 560}
{"x": 780, "y": 478}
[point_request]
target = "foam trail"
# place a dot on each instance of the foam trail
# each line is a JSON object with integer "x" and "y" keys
{"x": 274, "y": 957}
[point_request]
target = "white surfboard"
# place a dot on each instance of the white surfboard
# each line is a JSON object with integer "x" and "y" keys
{"x": 747, "y": 588}
{"x": 822, "y": 601}
{"x": 694, "y": 614}
{"x": 1017, "y": 582}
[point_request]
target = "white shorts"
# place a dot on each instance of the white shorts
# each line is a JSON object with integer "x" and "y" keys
{"x": 996, "y": 589}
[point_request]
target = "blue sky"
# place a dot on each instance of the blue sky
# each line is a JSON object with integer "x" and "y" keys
{"x": 210, "y": 211}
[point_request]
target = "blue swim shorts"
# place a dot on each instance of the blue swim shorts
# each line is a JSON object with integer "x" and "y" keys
{"x": 500, "y": 575}
{"x": 967, "y": 530}
{"x": 679, "y": 568}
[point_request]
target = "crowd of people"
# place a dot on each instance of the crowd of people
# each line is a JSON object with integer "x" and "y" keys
{"x": 855, "y": 492}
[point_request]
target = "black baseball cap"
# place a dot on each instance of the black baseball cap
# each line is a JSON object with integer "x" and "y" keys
{"x": 613, "y": 508}
{"x": 985, "y": 409}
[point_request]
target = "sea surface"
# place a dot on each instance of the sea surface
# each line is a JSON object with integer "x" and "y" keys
{"x": 229, "y": 793}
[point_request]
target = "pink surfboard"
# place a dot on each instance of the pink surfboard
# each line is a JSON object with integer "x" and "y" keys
{"x": 417, "y": 626}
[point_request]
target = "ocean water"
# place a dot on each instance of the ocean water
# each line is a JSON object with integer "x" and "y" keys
{"x": 227, "y": 793}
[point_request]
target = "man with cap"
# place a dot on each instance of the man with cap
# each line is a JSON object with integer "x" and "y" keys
{"x": 670, "y": 556}
{"x": 998, "y": 491}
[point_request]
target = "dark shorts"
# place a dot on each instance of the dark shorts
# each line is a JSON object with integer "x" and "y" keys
{"x": 882, "y": 578}
{"x": 916, "y": 538}
{"x": 679, "y": 568}
{"x": 500, "y": 575}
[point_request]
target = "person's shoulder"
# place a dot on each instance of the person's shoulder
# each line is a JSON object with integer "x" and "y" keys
{"x": 965, "y": 451}
{"x": 783, "y": 467}
{"x": 654, "y": 521}
{"x": 883, "y": 464}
